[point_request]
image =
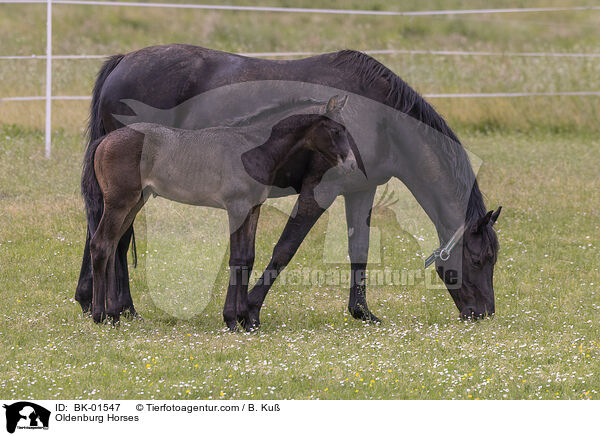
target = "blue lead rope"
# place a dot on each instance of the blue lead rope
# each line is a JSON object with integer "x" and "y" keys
{"x": 443, "y": 253}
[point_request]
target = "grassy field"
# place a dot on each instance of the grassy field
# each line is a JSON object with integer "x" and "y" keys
{"x": 540, "y": 161}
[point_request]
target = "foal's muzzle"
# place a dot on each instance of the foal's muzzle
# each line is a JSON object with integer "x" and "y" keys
{"x": 349, "y": 164}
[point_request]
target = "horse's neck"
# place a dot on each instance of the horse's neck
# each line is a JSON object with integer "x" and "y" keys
{"x": 442, "y": 193}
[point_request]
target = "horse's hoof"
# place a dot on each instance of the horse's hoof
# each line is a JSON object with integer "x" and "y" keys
{"x": 372, "y": 319}
{"x": 250, "y": 326}
{"x": 364, "y": 315}
{"x": 114, "y": 317}
{"x": 130, "y": 313}
{"x": 98, "y": 317}
{"x": 232, "y": 326}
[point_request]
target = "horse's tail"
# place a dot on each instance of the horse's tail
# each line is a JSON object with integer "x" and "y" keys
{"x": 95, "y": 128}
{"x": 95, "y": 132}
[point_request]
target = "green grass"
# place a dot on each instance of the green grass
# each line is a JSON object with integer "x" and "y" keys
{"x": 540, "y": 161}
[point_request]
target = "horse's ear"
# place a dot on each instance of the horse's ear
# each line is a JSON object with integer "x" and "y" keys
{"x": 483, "y": 221}
{"x": 495, "y": 215}
{"x": 336, "y": 103}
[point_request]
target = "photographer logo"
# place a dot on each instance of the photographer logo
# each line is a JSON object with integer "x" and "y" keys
{"x": 26, "y": 415}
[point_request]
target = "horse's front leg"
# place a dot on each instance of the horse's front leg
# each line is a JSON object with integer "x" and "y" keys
{"x": 296, "y": 229}
{"x": 241, "y": 261}
{"x": 358, "y": 216}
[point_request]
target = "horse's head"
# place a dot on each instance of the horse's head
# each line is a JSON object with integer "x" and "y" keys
{"x": 331, "y": 139}
{"x": 473, "y": 289}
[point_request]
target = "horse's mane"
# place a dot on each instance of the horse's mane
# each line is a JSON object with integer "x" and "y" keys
{"x": 280, "y": 106}
{"x": 405, "y": 99}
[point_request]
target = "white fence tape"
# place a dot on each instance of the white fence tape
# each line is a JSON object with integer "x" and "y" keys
{"x": 269, "y": 54}
{"x": 308, "y": 10}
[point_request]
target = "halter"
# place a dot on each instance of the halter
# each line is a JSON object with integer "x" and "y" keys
{"x": 443, "y": 253}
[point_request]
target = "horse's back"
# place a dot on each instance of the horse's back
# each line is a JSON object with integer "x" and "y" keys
{"x": 168, "y": 75}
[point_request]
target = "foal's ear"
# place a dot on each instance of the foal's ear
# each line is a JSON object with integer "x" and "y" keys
{"x": 336, "y": 103}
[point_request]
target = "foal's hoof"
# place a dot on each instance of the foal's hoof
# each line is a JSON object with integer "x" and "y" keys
{"x": 245, "y": 322}
{"x": 253, "y": 319}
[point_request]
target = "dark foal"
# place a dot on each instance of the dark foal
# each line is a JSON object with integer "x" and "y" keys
{"x": 223, "y": 167}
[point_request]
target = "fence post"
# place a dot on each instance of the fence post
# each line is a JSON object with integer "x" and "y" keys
{"x": 48, "y": 130}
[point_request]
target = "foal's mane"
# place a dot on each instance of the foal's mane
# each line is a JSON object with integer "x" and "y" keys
{"x": 280, "y": 106}
{"x": 402, "y": 97}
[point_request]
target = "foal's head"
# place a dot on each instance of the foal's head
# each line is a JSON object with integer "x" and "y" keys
{"x": 329, "y": 138}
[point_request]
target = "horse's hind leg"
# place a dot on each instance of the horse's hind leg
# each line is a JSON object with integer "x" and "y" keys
{"x": 84, "y": 290}
{"x": 358, "y": 211}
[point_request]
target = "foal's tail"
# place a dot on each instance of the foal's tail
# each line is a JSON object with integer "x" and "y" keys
{"x": 90, "y": 189}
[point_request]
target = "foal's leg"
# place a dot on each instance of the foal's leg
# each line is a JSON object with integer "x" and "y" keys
{"x": 102, "y": 248}
{"x": 114, "y": 223}
{"x": 84, "y": 290}
{"x": 358, "y": 216}
{"x": 241, "y": 261}
{"x": 296, "y": 229}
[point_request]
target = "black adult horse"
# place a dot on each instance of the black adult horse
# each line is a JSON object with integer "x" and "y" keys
{"x": 437, "y": 172}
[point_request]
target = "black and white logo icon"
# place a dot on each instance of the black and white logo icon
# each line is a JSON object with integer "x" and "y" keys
{"x": 26, "y": 415}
